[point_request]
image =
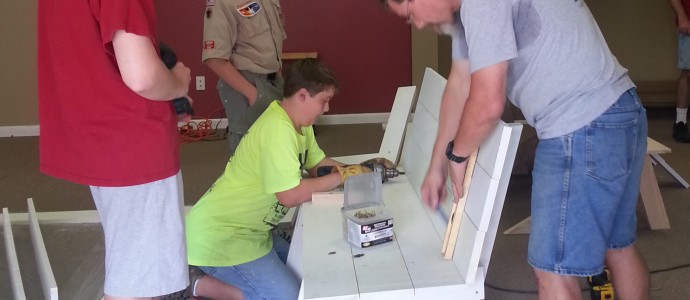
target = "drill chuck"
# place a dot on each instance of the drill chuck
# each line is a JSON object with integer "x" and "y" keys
{"x": 386, "y": 173}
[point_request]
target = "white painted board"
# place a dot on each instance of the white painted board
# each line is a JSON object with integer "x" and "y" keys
{"x": 12, "y": 263}
{"x": 48, "y": 284}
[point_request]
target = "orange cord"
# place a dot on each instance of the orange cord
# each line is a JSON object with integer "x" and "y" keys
{"x": 201, "y": 131}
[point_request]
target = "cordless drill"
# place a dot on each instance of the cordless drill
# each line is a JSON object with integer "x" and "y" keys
{"x": 373, "y": 164}
{"x": 381, "y": 168}
{"x": 181, "y": 105}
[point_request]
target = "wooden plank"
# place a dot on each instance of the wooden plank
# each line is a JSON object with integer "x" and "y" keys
{"x": 503, "y": 182}
{"x": 414, "y": 234}
{"x": 297, "y": 55}
{"x": 12, "y": 262}
{"x": 655, "y": 147}
{"x": 669, "y": 170}
{"x": 490, "y": 164}
{"x": 457, "y": 215}
{"x": 59, "y": 217}
{"x": 392, "y": 142}
{"x": 651, "y": 197}
{"x": 50, "y": 290}
{"x": 467, "y": 249}
{"x": 295, "y": 255}
{"x": 331, "y": 197}
{"x": 431, "y": 92}
{"x": 521, "y": 227}
{"x": 328, "y": 270}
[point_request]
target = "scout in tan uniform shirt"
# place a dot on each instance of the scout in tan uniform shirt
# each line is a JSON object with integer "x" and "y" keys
{"x": 242, "y": 45}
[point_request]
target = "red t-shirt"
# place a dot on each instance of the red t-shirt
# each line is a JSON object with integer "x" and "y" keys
{"x": 94, "y": 130}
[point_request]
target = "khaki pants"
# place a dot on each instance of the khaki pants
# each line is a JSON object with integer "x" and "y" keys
{"x": 240, "y": 115}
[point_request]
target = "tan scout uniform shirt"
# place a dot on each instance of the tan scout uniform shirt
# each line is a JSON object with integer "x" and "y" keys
{"x": 248, "y": 33}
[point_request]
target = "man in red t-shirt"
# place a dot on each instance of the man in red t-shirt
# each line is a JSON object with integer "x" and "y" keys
{"x": 680, "y": 127}
{"x": 106, "y": 122}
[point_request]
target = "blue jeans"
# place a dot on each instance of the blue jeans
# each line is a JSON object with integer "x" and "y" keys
{"x": 265, "y": 278}
{"x": 585, "y": 190}
{"x": 683, "y": 51}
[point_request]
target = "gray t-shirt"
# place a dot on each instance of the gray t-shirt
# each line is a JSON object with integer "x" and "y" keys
{"x": 561, "y": 73}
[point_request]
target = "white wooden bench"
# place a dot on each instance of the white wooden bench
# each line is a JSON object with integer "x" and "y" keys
{"x": 412, "y": 265}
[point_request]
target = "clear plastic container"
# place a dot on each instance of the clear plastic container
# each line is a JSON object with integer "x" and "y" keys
{"x": 366, "y": 221}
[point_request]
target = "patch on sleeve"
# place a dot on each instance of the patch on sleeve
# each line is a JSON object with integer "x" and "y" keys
{"x": 249, "y": 9}
{"x": 210, "y": 44}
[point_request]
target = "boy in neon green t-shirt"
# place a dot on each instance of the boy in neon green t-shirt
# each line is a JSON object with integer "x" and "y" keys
{"x": 229, "y": 229}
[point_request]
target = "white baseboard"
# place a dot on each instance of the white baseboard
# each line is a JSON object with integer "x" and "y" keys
{"x": 17, "y": 131}
{"x": 364, "y": 118}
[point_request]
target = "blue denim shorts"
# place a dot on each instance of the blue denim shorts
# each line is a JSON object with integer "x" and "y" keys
{"x": 585, "y": 189}
{"x": 265, "y": 278}
{"x": 683, "y": 51}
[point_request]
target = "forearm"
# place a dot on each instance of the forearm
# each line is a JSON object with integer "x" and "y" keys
{"x": 307, "y": 186}
{"x": 483, "y": 109}
{"x": 143, "y": 71}
{"x": 324, "y": 162}
{"x": 227, "y": 72}
{"x": 680, "y": 12}
{"x": 452, "y": 105}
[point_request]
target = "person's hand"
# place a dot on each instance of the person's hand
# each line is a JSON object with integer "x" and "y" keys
{"x": 457, "y": 176}
{"x": 350, "y": 170}
{"x": 186, "y": 117}
{"x": 183, "y": 76}
{"x": 684, "y": 26}
{"x": 433, "y": 189}
{"x": 252, "y": 97}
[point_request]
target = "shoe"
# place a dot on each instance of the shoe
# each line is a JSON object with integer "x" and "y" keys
{"x": 680, "y": 132}
{"x": 194, "y": 275}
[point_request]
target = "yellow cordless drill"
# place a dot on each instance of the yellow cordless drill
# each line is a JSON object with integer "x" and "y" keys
{"x": 601, "y": 288}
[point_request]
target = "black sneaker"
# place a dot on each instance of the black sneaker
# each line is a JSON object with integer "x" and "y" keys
{"x": 194, "y": 275}
{"x": 680, "y": 132}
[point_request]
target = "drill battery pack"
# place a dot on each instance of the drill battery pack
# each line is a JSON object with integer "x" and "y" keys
{"x": 600, "y": 286}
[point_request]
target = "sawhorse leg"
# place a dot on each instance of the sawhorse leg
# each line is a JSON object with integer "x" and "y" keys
{"x": 668, "y": 169}
{"x": 651, "y": 198}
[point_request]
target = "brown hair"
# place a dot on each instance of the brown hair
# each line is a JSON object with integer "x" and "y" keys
{"x": 309, "y": 74}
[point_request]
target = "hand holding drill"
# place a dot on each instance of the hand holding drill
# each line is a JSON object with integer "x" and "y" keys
{"x": 385, "y": 167}
{"x": 182, "y": 105}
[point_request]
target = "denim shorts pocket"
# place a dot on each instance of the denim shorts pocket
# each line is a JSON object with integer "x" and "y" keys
{"x": 611, "y": 141}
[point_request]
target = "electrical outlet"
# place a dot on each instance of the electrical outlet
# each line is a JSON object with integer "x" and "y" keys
{"x": 200, "y": 83}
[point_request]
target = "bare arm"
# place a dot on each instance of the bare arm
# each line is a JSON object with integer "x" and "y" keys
{"x": 483, "y": 109}
{"x": 143, "y": 71}
{"x": 227, "y": 72}
{"x": 307, "y": 186}
{"x": 683, "y": 22}
{"x": 455, "y": 95}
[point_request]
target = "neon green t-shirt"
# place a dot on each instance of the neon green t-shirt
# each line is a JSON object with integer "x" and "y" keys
{"x": 231, "y": 223}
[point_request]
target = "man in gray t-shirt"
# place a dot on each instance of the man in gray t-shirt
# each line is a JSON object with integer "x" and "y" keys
{"x": 549, "y": 58}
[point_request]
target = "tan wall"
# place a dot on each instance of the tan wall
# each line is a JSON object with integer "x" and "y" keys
{"x": 640, "y": 33}
{"x": 18, "y": 104}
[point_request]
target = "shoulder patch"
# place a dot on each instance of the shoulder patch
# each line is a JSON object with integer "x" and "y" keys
{"x": 210, "y": 44}
{"x": 249, "y": 9}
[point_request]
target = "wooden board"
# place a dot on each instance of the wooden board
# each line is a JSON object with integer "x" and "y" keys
{"x": 392, "y": 142}
{"x": 48, "y": 284}
{"x": 12, "y": 263}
